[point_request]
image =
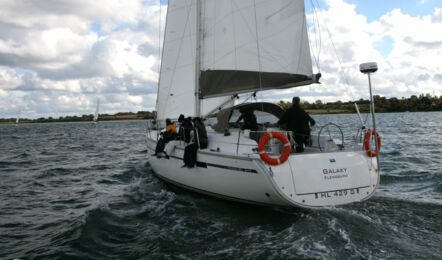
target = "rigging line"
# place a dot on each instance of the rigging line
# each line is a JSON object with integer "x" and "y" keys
{"x": 280, "y": 10}
{"x": 337, "y": 56}
{"x": 214, "y": 22}
{"x": 253, "y": 94}
{"x": 180, "y": 45}
{"x": 315, "y": 30}
{"x": 249, "y": 27}
{"x": 320, "y": 40}
{"x": 234, "y": 34}
{"x": 159, "y": 58}
{"x": 304, "y": 27}
{"x": 258, "y": 50}
{"x": 159, "y": 41}
{"x": 268, "y": 55}
{"x": 318, "y": 36}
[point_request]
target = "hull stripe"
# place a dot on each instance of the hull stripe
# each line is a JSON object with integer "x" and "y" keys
{"x": 204, "y": 165}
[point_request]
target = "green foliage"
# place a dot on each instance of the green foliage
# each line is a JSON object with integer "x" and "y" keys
{"x": 421, "y": 103}
{"x": 102, "y": 117}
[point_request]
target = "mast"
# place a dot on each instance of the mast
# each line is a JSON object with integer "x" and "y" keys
{"x": 198, "y": 59}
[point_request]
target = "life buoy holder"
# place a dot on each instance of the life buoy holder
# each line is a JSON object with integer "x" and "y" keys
{"x": 367, "y": 143}
{"x": 285, "y": 153}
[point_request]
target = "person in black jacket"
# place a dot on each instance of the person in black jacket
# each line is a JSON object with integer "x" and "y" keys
{"x": 299, "y": 122}
{"x": 249, "y": 118}
{"x": 200, "y": 141}
{"x": 185, "y": 128}
{"x": 200, "y": 136}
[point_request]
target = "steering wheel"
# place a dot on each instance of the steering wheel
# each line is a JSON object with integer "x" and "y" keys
{"x": 326, "y": 127}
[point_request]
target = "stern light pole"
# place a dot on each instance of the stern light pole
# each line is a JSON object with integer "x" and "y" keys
{"x": 369, "y": 68}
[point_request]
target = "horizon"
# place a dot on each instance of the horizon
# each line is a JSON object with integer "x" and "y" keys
{"x": 305, "y": 102}
{"x": 57, "y": 60}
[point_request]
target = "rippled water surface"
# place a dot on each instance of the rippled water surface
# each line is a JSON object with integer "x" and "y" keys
{"x": 75, "y": 190}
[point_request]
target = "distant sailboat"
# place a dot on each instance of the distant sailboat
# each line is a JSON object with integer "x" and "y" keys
{"x": 95, "y": 119}
{"x": 17, "y": 119}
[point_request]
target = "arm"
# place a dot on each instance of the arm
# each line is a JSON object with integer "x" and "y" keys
{"x": 311, "y": 120}
{"x": 283, "y": 119}
{"x": 239, "y": 119}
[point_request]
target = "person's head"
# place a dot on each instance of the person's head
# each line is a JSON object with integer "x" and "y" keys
{"x": 181, "y": 118}
{"x": 168, "y": 121}
{"x": 296, "y": 101}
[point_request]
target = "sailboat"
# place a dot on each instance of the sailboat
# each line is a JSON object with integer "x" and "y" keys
{"x": 17, "y": 119}
{"x": 95, "y": 118}
{"x": 214, "y": 51}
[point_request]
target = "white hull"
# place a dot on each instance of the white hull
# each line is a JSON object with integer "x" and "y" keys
{"x": 305, "y": 180}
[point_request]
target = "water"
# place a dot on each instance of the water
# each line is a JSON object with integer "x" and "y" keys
{"x": 75, "y": 190}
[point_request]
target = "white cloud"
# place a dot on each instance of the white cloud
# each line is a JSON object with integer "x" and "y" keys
{"x": 411, "y": 67}
{"x": 58, "y": 56}
{"x": 8, "y": 79}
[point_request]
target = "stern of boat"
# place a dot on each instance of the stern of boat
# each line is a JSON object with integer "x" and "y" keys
{"x": 325, "y": 179}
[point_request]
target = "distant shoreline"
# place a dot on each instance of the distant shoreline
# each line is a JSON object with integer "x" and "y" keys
{"x": 128, "y": 118}
{"x": 421, "y": 103}
{"x": 84, "y": 118}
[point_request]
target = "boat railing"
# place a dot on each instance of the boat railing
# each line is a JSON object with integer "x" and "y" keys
{"x": 330, "y": 136}
{"x": 320, "y": 141}
{"x": 329, "y": 139}
{"x": 273, "y": 146}
{"x": 151, "y": 125}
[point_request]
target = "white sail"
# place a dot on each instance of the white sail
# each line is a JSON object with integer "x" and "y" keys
{"x": 242, "y": 46}
{"x": 245, "y": 37}
{"x": 95, "y": 119}
{"x": 176, "y": 93}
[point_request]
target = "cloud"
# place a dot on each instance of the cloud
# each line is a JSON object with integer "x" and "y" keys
{"x": 58, "y": 56}
{"x": 437, "y": 17}
{"x": 406, "y": 68}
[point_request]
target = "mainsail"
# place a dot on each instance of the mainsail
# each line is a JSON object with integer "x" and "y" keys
{"x": 242, "y": 46}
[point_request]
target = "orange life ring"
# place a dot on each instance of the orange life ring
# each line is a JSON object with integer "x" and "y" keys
{"x": 367, "y": 143}
{"x": 285, "y": 153}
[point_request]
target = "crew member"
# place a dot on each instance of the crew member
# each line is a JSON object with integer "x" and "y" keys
{"x": 200, "y": 141}
{"x": 168, "y": 134}
{"x": 249, "y": 118}
{"x": 299, "y": 122}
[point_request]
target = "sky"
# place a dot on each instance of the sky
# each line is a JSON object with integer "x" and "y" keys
{"x": 57, "y": 57}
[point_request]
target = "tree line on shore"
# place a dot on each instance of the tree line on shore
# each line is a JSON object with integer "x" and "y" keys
{"x": 421, "y": 103}
{"x": 102, "y": 117}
